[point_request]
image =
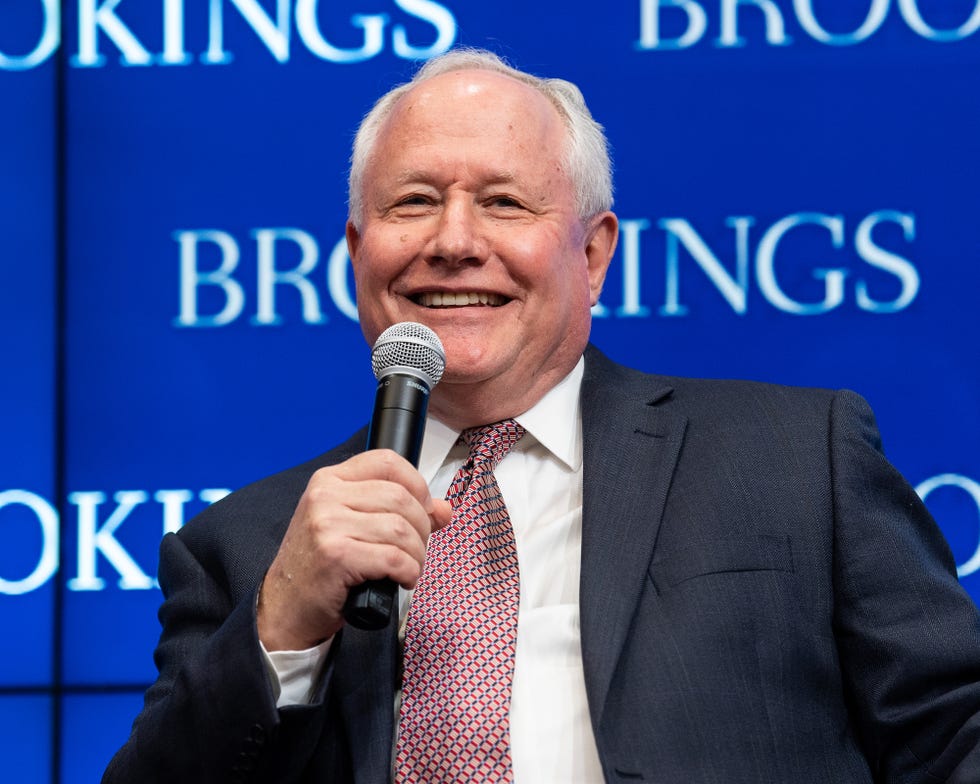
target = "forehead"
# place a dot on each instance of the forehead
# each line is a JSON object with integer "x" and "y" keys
{"x": 474, "y": 104}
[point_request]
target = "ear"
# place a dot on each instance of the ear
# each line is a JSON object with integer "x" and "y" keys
{"x": 601, "y": 238}
{"x": 353, "y": 240}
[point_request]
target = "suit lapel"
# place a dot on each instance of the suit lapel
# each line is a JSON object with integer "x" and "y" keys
{"x": 630, "y": 450}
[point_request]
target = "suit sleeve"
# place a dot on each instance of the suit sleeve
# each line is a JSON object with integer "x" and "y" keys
{"x": 211, "y": 715}
{"x": 908, "y": 634}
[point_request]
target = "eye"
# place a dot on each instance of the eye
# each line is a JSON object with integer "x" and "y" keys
{"x": 504, "y": 201}
{"x": 411, "y": 205}
{"x": 413, "y": 199}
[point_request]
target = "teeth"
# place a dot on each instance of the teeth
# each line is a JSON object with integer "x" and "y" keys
{"x": 439, "y": 299}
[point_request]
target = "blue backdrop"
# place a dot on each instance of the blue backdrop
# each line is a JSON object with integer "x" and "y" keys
{"x": 796, "y": 180}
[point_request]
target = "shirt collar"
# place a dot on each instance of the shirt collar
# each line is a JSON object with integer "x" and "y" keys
{"x": 554, "y": 422}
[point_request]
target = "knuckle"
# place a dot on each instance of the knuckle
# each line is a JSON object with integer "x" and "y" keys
{"x": 400, "y": 529}
{"x": 394, "y": 560}
{"x": 400, "y": 498}
{"x": 387, "y": 459}
{"x": 322, "y": 475}
{"x": 321, "y": 486}
{"x": 330, "y": 545}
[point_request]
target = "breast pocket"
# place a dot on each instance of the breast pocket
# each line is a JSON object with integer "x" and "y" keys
{"x": 743, "y": 554}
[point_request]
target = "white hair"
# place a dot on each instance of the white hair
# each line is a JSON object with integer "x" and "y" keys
{"x": 585, "y": 157}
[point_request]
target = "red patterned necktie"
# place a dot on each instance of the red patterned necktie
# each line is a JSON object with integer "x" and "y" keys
{"x": 462, "y": 631}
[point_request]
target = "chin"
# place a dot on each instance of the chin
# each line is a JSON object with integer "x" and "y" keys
{"x": 457, "y": 375}
{"x": 468, "y": 370}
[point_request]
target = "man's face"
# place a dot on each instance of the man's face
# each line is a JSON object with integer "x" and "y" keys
{"x": 469, "y": 226}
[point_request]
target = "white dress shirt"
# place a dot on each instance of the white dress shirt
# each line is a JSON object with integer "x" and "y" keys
{"x": 541, "y": 482}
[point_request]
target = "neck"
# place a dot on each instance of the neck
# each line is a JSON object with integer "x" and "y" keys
{"x": 466, "y": 405}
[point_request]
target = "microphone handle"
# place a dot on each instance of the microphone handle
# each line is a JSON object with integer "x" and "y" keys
{"x": 398, "y": 423}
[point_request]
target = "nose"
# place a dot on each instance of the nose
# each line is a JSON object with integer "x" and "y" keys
{"x": 457, "y": 237}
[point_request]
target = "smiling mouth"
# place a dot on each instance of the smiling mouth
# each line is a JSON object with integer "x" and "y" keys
{"x": 449, "y": 299}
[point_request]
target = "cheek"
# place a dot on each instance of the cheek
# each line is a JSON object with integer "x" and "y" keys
{"x": 540, "y": 263}
{"x": 570, "y": 278}
{"x": 574, "y": 297}
{"x": 377, "y": 262}
{"x": 371, "y": 280}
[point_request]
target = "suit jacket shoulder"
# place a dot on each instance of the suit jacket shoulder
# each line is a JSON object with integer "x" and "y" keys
{"x": 763, "y": 596}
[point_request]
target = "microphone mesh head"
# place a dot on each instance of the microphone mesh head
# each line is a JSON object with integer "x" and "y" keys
{"x": 410, "y": 348}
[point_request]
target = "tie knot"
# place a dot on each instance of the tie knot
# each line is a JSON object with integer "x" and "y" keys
{"x": 489, "y": 443}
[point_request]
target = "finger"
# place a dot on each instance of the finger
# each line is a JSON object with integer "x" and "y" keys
{"x": 385, "y": 529}
{"x": 378, "y": 561}
{"x": 336, "y": 500}
{"x": 372, "y": 495}
{"x": 387, "y": 465}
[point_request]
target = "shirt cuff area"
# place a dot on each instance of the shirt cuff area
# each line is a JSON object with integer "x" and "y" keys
{"x": 293, "y": 675}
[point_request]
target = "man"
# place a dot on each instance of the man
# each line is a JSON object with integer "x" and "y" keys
{"x": 702, "y": 589}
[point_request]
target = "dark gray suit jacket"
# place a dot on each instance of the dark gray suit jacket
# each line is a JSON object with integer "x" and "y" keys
{"x": 763, "y": 599}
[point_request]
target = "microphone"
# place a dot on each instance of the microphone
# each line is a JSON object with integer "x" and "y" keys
{"x": 408, "y": 360}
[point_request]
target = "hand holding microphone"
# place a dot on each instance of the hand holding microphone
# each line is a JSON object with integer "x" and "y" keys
{"x": 361, "y": 526}
{"x": 408, "y": 360}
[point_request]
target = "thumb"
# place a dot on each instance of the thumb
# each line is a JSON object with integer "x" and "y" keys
{"x": 441, "y": 514}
